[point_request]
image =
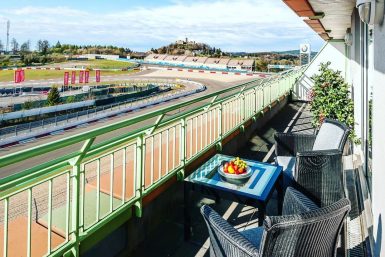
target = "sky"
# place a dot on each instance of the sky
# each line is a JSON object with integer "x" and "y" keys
{"x": 232, "y": 25}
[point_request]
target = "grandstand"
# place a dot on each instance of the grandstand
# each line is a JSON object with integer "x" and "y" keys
{"x": 222, "y": 63}
{"x": 177, "y": 59}
{"x": 243, "y": 64}
{"x": 156, "y": 57}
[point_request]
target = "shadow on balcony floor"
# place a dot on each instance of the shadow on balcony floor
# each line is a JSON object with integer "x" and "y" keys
{"x": 167, "y": 239}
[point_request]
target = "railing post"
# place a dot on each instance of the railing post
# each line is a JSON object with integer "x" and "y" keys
{"x": 75, "y": 210}
{"x": 243, "y": 107}
{"x": 255, "y": 107}
{"x": 183, "y": 141}
{"x": 139, "y": 172}
{"x": 220, "y": 129}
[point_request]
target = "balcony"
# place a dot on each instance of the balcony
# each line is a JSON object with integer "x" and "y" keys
{"x": 294, "y": 117}
{"x": 123, "y": 195}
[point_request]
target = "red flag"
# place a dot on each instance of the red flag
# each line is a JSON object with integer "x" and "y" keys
{"x": 17, "y": 77}
{"x": 97, "y": 75}
{"x": 66, "y": 78}
{"x": 73, "y": 77}
{"x": 87, "y": 76}
{"x": 81, "y": 76}
{"x": 22, "y": 76}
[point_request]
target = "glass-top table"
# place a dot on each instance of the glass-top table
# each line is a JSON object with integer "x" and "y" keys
{"x": 255, "y": 192}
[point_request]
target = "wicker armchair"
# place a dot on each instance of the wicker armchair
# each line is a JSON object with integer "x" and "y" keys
{"x": 313, "y": 163}
{"x": 304, "y": 230}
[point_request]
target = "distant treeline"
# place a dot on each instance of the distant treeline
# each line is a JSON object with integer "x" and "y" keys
{"x": 47, "y": 53}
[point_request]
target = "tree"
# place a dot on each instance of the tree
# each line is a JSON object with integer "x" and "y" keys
{"x": 39, "y": 46}
{"x": 261, "y": 65}
{"x": 58, "y": 45}
{"x": 1, "y": 46}
{"x": 42, "y": 46}
{"x": 14, "y": 45}
{"x": 24, "y": 48}
{"x": 53, "y": 97}
{"x": 28, "y": 59}
{"x": 45, "y": 47}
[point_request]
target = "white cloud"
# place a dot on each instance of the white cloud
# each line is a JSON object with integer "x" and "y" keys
{"x": 232, "y": 25}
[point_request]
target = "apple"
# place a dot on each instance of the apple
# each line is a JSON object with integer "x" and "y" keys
{"x": 226, "y": 166}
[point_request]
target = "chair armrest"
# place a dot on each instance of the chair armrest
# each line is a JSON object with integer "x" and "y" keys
{"x": 319, "y": 175}
{"x": 225, "y": 236}
{"x": 300, "y": 219}
{"x": 295, "y": 202}
{"x": 288, "y": 144}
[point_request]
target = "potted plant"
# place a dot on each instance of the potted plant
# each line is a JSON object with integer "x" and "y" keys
{"x": 330, "y": 98}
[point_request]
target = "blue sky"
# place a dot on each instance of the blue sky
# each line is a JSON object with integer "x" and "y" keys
{"x": 241, "y": 25}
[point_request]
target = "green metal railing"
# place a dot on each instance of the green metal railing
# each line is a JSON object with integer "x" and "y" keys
{"x": 75, "y": 195}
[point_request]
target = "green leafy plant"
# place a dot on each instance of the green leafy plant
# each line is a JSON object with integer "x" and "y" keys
{"x": 27, "y": 105}
{"x": 70, "y": 99}
{"x": 53, "y": 97}
{"x": 330, "y": 98}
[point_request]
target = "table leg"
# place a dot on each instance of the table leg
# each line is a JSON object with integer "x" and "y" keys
{"x": 261, "y": 213}
{"x": 280, "y": 194}
{"x": 187, "y": 209}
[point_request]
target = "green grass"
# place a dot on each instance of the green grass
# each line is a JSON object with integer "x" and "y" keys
{"x": 7, "y": 75}
{"x": 106, "y": 64}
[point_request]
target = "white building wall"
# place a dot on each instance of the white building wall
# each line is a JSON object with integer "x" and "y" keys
{"x": 338, "y": 62}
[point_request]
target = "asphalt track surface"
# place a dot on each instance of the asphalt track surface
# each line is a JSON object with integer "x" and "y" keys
{"x": 211, "y": 84}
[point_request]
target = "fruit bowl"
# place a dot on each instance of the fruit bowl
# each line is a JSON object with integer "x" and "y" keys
{"x": 238, "y": 174}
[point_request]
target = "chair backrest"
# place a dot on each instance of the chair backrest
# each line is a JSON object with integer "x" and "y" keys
{"x": 322, "y": 181}
{"x": 313, "y": 233}
{"x": 332, "y": 135}
{"x": 225, "y": 240}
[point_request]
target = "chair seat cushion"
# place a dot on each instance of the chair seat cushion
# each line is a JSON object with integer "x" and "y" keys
{"x": 287, "y": 163}
{"x": 254, "y": 235}
{"x": 330, "y": 136}
{"x": 288, "y": 166}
